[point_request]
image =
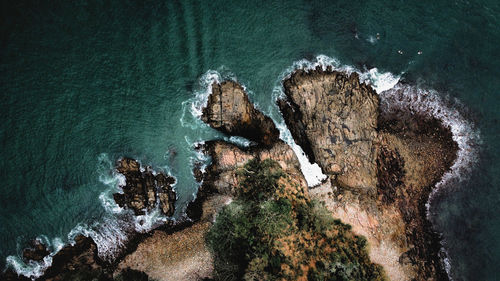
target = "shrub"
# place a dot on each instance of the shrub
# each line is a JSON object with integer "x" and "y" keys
{"x": 268, "y": 234}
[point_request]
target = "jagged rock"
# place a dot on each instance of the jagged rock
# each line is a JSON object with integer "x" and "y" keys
{"x": 230, "y": 111}
{"x": 36, "y": 251}
{"x": 77, "y": 262}
{"x": 399, "y": 157}
{"x": 143, "y": 191}
{"x": 333, "y": 117}
{"x": 166, "y": 195}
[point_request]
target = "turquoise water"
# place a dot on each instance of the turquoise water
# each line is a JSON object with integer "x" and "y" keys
{"x": 83, "y": 83}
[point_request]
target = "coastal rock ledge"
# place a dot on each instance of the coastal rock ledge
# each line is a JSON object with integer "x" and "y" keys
{"x": 381, "y": 169}
{"x": 230, "y": 111}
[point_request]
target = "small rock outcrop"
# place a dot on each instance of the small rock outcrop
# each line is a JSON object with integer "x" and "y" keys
{"x": 144, "y": 190}
{"x": 333, "y": 117}
{"x": 36, "y": 251}
{"x": 230, "y": 111}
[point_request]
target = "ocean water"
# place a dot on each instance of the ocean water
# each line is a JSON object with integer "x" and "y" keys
{"x": 83, "y": 83}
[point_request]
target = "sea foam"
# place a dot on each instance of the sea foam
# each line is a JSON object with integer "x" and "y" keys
{"x": 394, "y": 95}
{"x": 111, "y": 233}
{"x": 35, "y": 269}
{"x": 379, "y": 81}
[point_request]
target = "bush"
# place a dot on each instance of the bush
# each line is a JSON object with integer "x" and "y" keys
{"x": 268, "y": 234}
{"x": 259, "y": 179}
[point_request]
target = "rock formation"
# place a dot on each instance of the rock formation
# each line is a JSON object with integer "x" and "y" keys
{"x": 382, "y": 167}
{"x": 334, "y": 118}
{"x": 230, "y": 111}
{"x": 36, "y": 251}
{"x": 78, "y": 260}
{"x": 144, "y": 190}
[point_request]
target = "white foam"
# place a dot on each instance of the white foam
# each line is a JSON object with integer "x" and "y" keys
{"x": 464, "y": 133}
{"x": 380, "y": 81}
{"x": 110, "y": 235}
{"x": 32, "y": 269}
{"x": 35, "y": 269}
{"x": 150, "y": 220}
{"x": 239, "y": 141}
{"x": 430, "y": 103}
{"x": 395, "y": 96}
{"x": 113, "y": 180}
{"x": 201, "y": 96}
{"x": 311, "y": 171}
{"x": 194, "y": 106}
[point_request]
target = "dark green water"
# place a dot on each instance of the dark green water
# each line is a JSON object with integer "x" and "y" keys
{"x": 83, "y": 83}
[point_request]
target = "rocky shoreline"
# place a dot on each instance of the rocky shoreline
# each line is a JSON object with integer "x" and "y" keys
{"x": 381, "y": 169}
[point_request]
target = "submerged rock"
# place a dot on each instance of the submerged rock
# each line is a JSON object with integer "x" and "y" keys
{"x": 230, "y": 111}
{"x": 144, "y": 190}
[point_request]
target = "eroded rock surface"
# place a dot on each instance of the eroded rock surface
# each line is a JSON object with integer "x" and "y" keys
{"x": 334, "y": 118}
{"x": 382, "y": 167}
{"x": 230, "y": 111}
{"x": 77, "y": 261}
{"x": 144, "y": 190}
{"x": 36, "y": 251}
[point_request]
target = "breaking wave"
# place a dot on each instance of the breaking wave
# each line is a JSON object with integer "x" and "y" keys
{"x": 395, "y": 95}
{"x": 111, "y": 233}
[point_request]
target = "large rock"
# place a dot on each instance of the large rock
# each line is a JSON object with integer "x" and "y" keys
{"x": 385, "y": 165}
{"x": 333, "y": 117}
{"x": 144, "y": 190}
{"x": 230, "y": 111}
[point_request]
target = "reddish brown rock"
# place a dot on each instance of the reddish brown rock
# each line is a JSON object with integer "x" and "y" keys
{"x": 333, "y": 117}
{"x": 36, "y": 251}
{"x": 230, "y": 111}
{"x": 384, "y": 166}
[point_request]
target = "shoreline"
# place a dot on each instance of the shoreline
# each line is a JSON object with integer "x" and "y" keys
{"x": 193, "y": 213}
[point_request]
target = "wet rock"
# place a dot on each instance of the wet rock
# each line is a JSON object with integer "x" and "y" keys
{"x": 230, "y": 111}
{"x": 77, "y": 262}
{"x": 385, "y": 164}
{"x": 36, "y": 251}
{"x": 143, "y": 191}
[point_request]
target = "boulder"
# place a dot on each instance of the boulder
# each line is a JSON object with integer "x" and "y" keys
{"x": 333, "y": 117}
{"x": 230, "y": 111}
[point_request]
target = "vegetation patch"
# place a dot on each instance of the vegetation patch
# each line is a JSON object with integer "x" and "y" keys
{"x": 273, "y": 231}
